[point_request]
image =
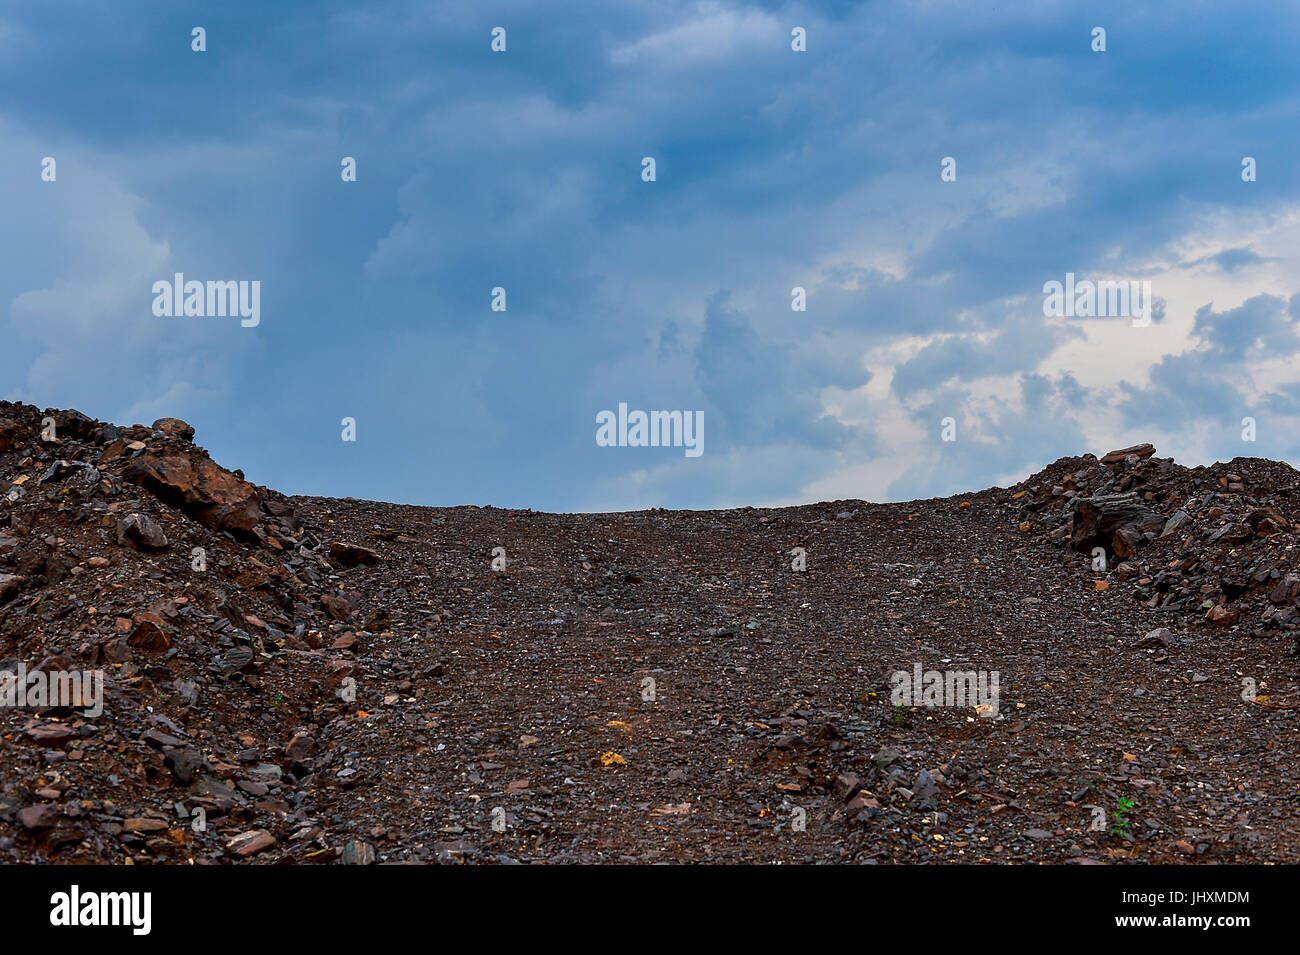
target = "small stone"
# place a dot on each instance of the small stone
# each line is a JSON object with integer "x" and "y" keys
{"x": 9, "y": 584}
{"x": 1221, "y": 616}
{"x": 301, "y": 748}
{"x": 1160, "y": 637}
{"x": 847, "y": 785}
{"x": 861, "y": 802}
{"x": 339, "y": 608}
{"x": 250, "y": 843}
{"x": 349, "y": 555}
{"x": 184, "y": 762}
{"x": 51, "y": 734}
{"x": 149, "y": 633}
{"x": 888, "y": 755}
{"x": 141, "y": 532}
{"x": 1177, "y": 521}
{"x": 39, "y": 817}
{"x": 925, "y": 787}
{"x": 144, "y": 824}
{"x": 1286, "y": 591}
{"x": 358, "y": 853}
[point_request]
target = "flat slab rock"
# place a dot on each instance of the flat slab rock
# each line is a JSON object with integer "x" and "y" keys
{"x": 1142, "y": 451}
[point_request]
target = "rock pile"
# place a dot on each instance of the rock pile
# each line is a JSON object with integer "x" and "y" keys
{"x": 129, "y": 551}
{"x": 1213, "y": 541}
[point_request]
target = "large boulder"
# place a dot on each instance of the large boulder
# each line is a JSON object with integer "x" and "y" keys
{"x": 1101, "y": 519}
{"x": 201, "y": 488}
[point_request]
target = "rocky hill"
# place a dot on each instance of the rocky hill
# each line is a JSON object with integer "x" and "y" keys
{"x": 316, "y": 681}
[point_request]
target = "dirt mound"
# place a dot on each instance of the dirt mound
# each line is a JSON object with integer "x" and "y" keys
{"x": 339, "y": 681}
{"x": 1214, "y": 541}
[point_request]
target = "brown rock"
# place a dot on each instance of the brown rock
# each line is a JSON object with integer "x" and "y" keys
{"x": 141, "y": 532}
{"x": 847, "y": 785}
{"x": 1141, "y": 450}
{"x": 115, "y": 651}
{"x": 349, "y": 555}
{"x": 175, "y": 426}
{"x": 9, "y": 584}
{"x": 39, "y": 817}
{"x": 301, "y": 748}
{"x": 861, "y": 802}
{"x": 144, "y": 824}
{"x": 210, "y": 494}
{"x": 11, "y": 433}
{"x": 1286, "y": 591}
{"x": 1122, "y": 544}
{"x": 112, "y": 451}
{"x": 251, "y": 842}
{"x": 1221, "y": 616}
{"x": 149, "y": 633}
{"x": 339, "y": 670}
{"x": 340, "y": 608}
{"x": 50, "y": 734}
{"x": 1098, "y": 518}
{"x": 1267, "y": 520}
{"x": 1161, "y": 637}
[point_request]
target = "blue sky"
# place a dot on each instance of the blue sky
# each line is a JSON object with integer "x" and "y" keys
{"x": 775, "y": 169}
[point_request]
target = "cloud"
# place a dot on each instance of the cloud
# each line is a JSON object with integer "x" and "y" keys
{"x": 776, "y": 169}
{"x": 710, "y": 33}
{"x": 759, "y": 387}
{"x": 1016, "y": 343}
{"x": 1231, "y": 260}
{"x": 78, "y": 317}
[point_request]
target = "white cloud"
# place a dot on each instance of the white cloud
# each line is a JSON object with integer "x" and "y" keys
{"x": 713, "y": 34}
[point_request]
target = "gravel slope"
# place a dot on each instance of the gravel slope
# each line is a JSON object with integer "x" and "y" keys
{"x": 347, "y": 681}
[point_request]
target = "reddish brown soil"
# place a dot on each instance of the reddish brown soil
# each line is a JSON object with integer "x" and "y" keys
{"x": 519, "y": 696}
